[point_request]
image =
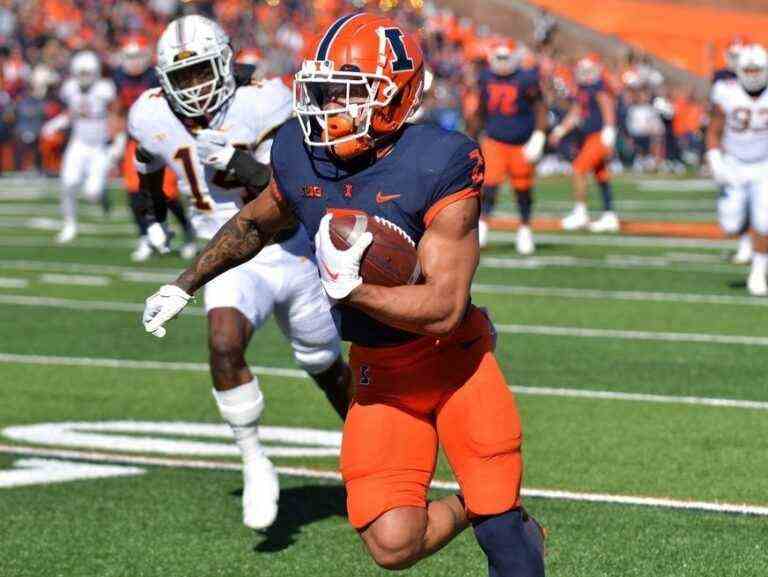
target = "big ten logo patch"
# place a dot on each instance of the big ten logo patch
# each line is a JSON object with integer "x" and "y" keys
{"x": 312, "y": 191}
{"x": 365, "y": 375}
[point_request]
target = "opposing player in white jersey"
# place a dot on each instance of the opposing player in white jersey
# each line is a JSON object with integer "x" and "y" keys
{"x": 737, "y": 152}
{"x": 199, "y": 104}
{"x": 89, "y": 101}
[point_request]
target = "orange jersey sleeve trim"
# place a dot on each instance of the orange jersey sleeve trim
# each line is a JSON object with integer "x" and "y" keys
{"x": 436, "y": 208}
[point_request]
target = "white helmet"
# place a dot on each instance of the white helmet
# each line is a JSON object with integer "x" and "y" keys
{"x": 85, "y": 68}
{"x": 194, "y": 65}
{"x": 752, "y": 67}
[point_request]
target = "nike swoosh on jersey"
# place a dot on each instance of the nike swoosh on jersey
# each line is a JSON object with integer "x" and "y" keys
{"x": 382, "y": 198}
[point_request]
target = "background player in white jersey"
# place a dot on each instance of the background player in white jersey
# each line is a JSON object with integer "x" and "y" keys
{"x": 737, "y": 152}
{"x": 199, "y": 111}
{"x": 88, "y": 158}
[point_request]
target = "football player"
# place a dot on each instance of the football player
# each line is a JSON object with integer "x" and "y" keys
{"x": 731, "y": 59}
{"x": 198, "y": 104}
{"x": 594, "y": 114}
{"x": 134, "y": 76}
{"x": 737, "y": 152}
{"x": 90, "y": 100}
{"x": 514, "y": 117}
{"x": 422, "y": 355}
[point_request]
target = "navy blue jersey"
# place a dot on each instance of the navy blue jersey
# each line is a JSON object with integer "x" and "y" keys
{"x": 723, "y": 74}
{"x": 591, "y": 115}
{"x": 508, "y": 103}
{"x": 130, "y": 87}
{"x": 427, "y": 169}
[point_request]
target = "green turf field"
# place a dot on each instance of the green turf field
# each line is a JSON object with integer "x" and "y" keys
{"x": 639, "y": 363}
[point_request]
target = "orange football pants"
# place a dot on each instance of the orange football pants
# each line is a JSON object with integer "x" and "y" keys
{"x": 593, "y": 157}
{"x": 131, "y": 176}
{"x": 410, "y": 398}
{"x": 506, "y": 161}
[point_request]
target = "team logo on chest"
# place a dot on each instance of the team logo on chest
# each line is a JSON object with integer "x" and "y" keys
{"x": 312, "y": 191}
{"x": 365, "y": 375}
{"x": 348, "y": 190}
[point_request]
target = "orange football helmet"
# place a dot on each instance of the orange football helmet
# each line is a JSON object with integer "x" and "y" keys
{"x": 135, "y": 54}
{"x": 365, "y": 79}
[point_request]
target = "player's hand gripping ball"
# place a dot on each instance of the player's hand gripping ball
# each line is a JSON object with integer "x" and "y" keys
{"x": 391, "y": 259}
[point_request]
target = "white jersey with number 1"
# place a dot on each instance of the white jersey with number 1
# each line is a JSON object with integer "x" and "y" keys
{"x": 745, "y": 137}
{"x": 246, "y": 120}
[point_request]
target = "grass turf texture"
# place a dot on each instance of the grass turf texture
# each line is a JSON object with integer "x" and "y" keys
{"x": 180, "y": 522}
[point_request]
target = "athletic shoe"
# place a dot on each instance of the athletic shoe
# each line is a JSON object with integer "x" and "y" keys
{"x": 261, "y": 491}
{"x": 609, "y": 222}
{"x": 576, "y": 220}
{"x": 143, "y": 251}
{"x": 189, "y": 250}
{"x": 67, "y": 234}
{"x": 757, "y": 285}
{"x": 524, "y": 243}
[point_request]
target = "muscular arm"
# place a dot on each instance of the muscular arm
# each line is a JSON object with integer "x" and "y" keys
{"x": 716, "y": 127}
{"x": 239, "y": 240}
{"x": 570, "y": 122}
{"x": 449, "y": 255}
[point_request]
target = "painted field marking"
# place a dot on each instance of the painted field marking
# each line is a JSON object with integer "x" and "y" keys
{"x": 115, "y": 306}
{"x": 44, "y": 360}
{"x": 640, "y": 296}
{"x": 28, "y": 472}
{"x": 13, "y": 283}
{"x": 630, "y": 500}
{"x": 609, "y": 262}
{"x": 617, "y": 240}
{"x": 77, "y": 268}
{"x": 53, "y": 224}
{"x": 79, "y": 243}
{"x": 633, "y": 335}
{"x": 32, "y": 209}
{"x": 74, "y": 280}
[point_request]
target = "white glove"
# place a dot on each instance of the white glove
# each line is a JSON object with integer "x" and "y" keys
{"x": 533, "y": 149}
{"x": 214, "y": 149}
{"x": 115, "y": 150}
{"x": 339, "y": 269}
{"x": 54, "y": 125}
{"x": 608, "y": 136}
{"x": 720, "y": 172}
{"x": 158, "y": 238}
{"x": 163, "y": 306}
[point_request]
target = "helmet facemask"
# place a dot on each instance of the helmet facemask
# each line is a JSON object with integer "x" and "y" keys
{"x": 504, "y": 61}
{"x": 199, "y": 84}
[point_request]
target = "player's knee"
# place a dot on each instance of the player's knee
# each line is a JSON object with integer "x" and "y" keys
{"x": 227, "y": 351}
{"x": 733, "y": 224}
{"x": 513, "y": 543}
{"x": 395, "y": 547}
{"x": 316, "y": 358}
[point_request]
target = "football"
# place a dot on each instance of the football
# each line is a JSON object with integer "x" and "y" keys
{"x": 390, "y": 260}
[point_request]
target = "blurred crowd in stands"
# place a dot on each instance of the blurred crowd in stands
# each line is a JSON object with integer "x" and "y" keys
{"x": 660, "y": 128}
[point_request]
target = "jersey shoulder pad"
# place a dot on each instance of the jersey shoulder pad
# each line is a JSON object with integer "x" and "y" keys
{"x": 148, "y": 112}
{"x": 68, "y": 89}
{"x": 723, "y": 91}
{"x": 268, "y": 104}
{"x": 449, "y": 162}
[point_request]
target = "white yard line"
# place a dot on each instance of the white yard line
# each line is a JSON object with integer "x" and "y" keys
{"x": 639, "y": 296}
{"x": 74, "y": 280}
{"x": 87, "y": 305}
{"x": 633, "y": 335}
{"x": 52, "y": 224}
{"x": 79, "y": 243}
{"x": 562, "y": 495}
{"x": 617, "y": 240}
{"x": 612, "y": 262}
{"x": 76, "y": 267}
{"x": 44, "y": 360}
{"x": 13, "y": 283}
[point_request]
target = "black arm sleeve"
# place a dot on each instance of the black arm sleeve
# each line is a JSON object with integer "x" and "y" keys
{"x": 249, "y": 171}
{"x": 150, "y": 201}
